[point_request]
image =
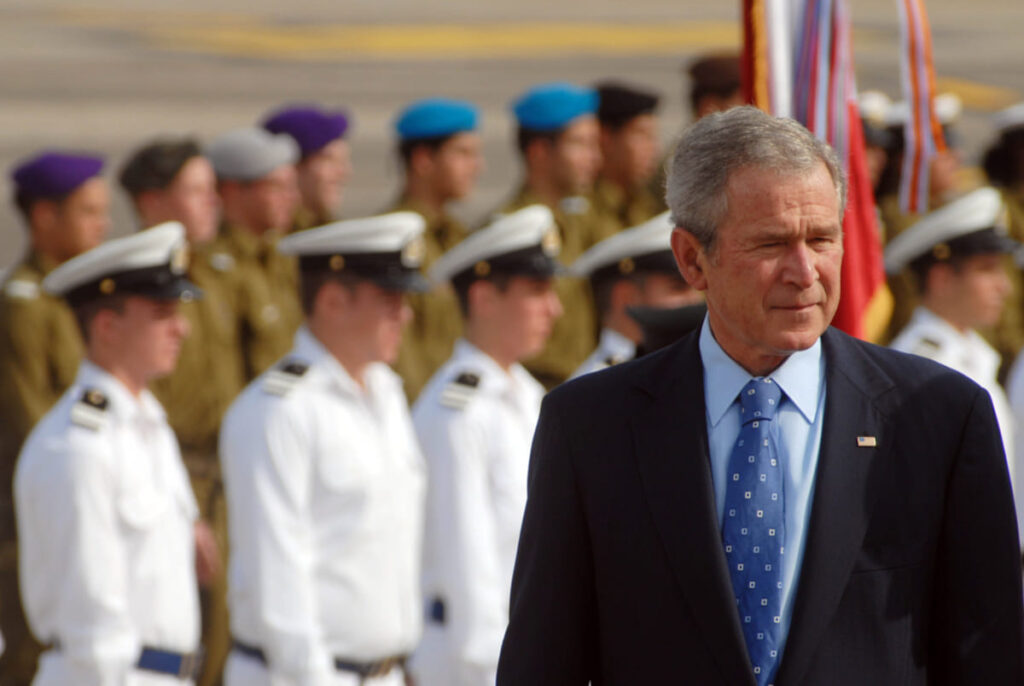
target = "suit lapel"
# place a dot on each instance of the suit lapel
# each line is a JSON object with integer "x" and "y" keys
{"x": 843, "y": 496}
{"x": 671, "y": 447}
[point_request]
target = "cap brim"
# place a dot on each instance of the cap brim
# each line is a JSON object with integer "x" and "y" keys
{"x": 411, "y": 281}
{"x": 177, "y": 289}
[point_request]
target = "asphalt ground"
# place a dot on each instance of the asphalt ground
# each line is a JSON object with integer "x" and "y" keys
{"x": 117, "y": 73}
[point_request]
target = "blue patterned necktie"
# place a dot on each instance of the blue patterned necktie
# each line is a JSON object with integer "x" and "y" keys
{"x": 754, "y": 529}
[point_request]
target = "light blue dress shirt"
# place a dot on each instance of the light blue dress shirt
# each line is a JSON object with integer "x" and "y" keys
{"x": 800, "y": 418}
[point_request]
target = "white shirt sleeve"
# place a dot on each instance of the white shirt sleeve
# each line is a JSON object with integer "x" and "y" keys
{"x": 268, "y": 477}
{"x": 476, "y": 604}
{"x": 74, "y": 562}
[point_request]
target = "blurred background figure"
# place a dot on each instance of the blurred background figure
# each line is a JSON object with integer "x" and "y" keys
{"x": 714, "y": 83}
{"x": 559, "y": 142}
{"x": 1003, "y": 163}
{"x": 629, "y": 154}
{"x": 324, "y": 165}
{"x": 65, "y": 205}
{"x": 632, "y": 268}
{"x": 170, "y": 180}
{"x": 475, "y": 421}
{"x": 259, "y": 195}
{"x": 326, "y": 497}
{"x": 109, "y": 552}
{"x": 874, "y": 108}
{"x": 439, "y": 148}
{"x": 956, "y": 255}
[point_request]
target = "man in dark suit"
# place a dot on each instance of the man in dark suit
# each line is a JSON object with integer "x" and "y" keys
{"x": 767, "y": 501}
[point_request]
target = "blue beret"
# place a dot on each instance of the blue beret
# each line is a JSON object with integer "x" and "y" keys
{"x": 312, "y": 128}
{"x": 434, "y": 118}
{"x": 52, "y": 174}
{"x": 552, "y": 106}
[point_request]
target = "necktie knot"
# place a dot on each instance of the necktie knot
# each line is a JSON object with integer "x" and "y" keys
{"x": 759, "y": 399}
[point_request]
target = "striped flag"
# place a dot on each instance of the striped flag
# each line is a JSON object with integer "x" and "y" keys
{"x": 798, "y": 62}
{"x": 922, "y": 131}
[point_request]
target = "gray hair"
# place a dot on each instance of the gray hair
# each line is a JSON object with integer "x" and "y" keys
{"x": 719, "y": 145}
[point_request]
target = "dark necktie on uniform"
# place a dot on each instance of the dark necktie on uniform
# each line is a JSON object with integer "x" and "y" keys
{"x": 754, "y": 529}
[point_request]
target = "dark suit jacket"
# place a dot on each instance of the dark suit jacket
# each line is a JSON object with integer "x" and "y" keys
{"x": 911, "y": 573}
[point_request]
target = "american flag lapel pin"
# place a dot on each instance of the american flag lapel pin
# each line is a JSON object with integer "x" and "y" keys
{"x": 866, "y": 442}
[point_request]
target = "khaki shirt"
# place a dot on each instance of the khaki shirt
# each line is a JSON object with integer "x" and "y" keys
{"x": 575, "y": 333}
{"x": 210, "y": 372}
{"x": 437, "y": 323}
{"x": 261, "y": 286}
{"x": 624, "y": 208}
{"x": 40, "y": 349}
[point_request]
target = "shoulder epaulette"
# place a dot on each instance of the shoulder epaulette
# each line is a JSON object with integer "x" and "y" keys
{"x": 926, "y": 347}
{"x": 20, "y": 289}
{"x": 574, "y": 204}
{"x": 460, "y": 391}
{"x": 222, "y": 261}
{"x": 612, "y": 360}
{"x": 284, "y": 377}
{"x": 91, "y": 410}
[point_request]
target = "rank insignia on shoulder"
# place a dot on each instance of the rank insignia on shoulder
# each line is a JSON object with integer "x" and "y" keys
{"x": 222, "y": 261}
{"x": 20, "y": 289}
{"x": 90, "y": 410}
{"x": 460, "y": 391}
{"x": 612, "y": 360}
{"x": 927, "y": 347}
{"x": 284, "y": 377}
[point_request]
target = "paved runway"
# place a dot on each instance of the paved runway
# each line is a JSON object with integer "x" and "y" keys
{"x": 116, "y": 74}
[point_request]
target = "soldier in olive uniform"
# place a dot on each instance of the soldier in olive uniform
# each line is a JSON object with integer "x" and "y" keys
{"x": 171, "y": 181}
{"x": 629, "y": 155}
{"x": 65, "y": 205}
{"x": 324, "y": 166}
{"x": 558, "y": 141}
{"x": 439, "y": 149}
{"x": 256, "y": 181}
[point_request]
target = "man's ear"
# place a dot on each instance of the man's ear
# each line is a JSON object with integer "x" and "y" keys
{"x": 690, "y": 258}
{"x": 421, "y": 160}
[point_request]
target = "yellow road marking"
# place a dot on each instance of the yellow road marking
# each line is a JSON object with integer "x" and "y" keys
{"x": 977, "y": 95}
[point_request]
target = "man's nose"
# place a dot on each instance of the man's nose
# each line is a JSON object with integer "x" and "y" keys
{"x": 799, "y": 266}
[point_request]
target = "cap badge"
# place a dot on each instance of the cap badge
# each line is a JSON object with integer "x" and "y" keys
{"x": 180, "y": 259}
{"x": 627, "y": 265}
{"x": 414, "y": 252}
{"x": 482, "y": 268}
{"x": 941, "y": 251}
{"x": 107, "y": 286}
{"x": 551, "y": 242}
{"x": 336, "y": 263}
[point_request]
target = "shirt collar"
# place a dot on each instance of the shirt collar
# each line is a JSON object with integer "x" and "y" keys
{"x": 801, "y": 377}
{"x": 308, "y": 348}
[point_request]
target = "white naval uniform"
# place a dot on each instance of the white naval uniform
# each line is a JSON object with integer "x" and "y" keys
{"x": 475, "y": 422}
{"x": 325, "y": 486}
{"x": 105, "y": 519}
{"x": 612, "y": 348}
{"x": 928, "y": 335}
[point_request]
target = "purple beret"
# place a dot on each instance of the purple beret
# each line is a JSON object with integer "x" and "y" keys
{"x": 312, "y": 128}
{"x": 53, "y": 174}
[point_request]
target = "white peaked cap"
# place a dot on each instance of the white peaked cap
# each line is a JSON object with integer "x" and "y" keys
{"x": 160, "y": 252}
{"x": 530, "y": 227}
{"x": 976, "y": 212}
{"x": 652, "y": 236}
{"x": 382, "y": 233}
{"x": 1009, "y": 118}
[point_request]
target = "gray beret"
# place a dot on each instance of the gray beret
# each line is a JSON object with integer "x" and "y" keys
{"x": 251, "y": 153}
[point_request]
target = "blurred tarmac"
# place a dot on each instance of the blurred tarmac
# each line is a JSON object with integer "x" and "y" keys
{"x": 111, "y": 76}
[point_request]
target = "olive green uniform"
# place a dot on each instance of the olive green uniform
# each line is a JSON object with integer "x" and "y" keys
{"x": 436, "y": 323}
{"x": 261, "y": 286}
{"x": 625, "y": 208}
{"x": 574, "y": 336}
{"x": 40, "y": 350}
{"x": 209, "y": 375}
